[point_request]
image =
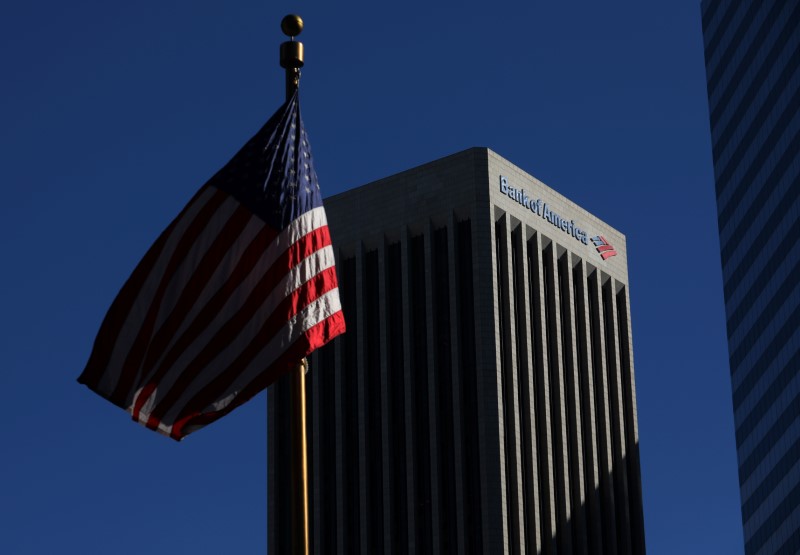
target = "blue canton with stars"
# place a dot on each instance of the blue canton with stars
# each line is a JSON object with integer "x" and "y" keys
{"x": 273, "y": 174}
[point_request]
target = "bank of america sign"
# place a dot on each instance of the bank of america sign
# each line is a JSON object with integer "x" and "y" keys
{"x": 541, "y": 208}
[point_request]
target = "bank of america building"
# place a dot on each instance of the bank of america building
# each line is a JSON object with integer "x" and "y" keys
{"x": 483, "y": 398}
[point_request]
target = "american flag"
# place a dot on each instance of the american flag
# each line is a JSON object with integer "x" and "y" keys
{"x": 233, "y": 294}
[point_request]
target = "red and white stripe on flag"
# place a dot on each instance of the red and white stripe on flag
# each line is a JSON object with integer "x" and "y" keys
{"x": 220, "y": 307}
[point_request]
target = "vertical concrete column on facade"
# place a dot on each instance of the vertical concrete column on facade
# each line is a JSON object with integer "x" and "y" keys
{"x": 618, "y": 418}
{"x": 362, "y": 399}
{"x": 338, "y": 407}
{"x": 316, "y": 516}
{"x": 559, "y": 400}
{"x": 590, "y": 428}
{"x": 497, "y": 400}
{"x": 407, "y": 397}
{"x": 533, "y": 537}
{"x": 386, "y": 458}
{"x": 455, "y": 376}
{"x": 492, "y": 506}
{"x": 510, "y": 397}
{"x": 433, "y": 439}
{"x": 547, "y": 483}
{"x": 632, "y": 419}
{"x": 574, "y": 408}
{"x": 602, "y": 385}
{"x": 627, "y": 352}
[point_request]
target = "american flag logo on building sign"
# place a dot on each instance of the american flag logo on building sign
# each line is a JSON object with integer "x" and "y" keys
{"x": 606, "y": 251}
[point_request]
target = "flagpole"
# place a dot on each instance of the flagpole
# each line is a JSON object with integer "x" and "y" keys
{"x": 292, "y": 60}
{"x": 300, "y": 545}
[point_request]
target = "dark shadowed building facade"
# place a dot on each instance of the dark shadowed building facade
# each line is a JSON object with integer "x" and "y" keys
{"x": 752, "y": 52}
{"x": 483, "y": 398}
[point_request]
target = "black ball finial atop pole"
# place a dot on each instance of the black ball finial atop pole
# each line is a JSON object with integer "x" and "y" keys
{"x": 292, "y": 52}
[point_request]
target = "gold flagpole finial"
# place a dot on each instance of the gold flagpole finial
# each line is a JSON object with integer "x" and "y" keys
{"x": 292, "y": 25}
{"x": 292, "y": 52}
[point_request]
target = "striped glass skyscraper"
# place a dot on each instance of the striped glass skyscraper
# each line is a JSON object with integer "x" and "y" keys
{"x": 483, "y": 398}
{"x": 752, "y": 53}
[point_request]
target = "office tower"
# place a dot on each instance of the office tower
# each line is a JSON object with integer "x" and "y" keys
{"x": 483, "y": 399}
{"x": 752, "y": 58}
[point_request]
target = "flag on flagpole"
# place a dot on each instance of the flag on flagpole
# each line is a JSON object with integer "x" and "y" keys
{"x": 232, "y": 295}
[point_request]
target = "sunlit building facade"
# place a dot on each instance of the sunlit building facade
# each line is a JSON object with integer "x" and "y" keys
{"x": 752, "y": 52}
{"x": 483, "y": 398}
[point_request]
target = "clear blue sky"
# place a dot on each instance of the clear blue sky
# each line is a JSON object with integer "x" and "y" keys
{"x": 114, "y": 113}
